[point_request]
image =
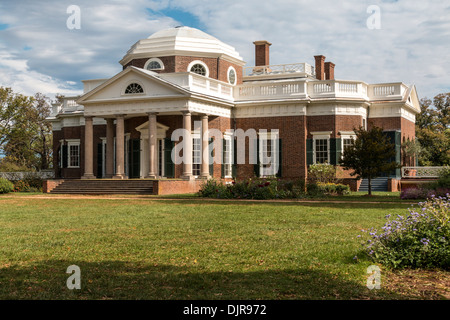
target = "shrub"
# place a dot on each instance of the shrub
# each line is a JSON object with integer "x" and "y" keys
{"x": 423, "y": 193}
{"x": 334, "y": 188}
{"x": 21, "y": 186}
{"x": 419, "y": 240}
{"x": 322, "y": 173}
{"x": 33, "y": 180}
{"x": 6, "y": 186}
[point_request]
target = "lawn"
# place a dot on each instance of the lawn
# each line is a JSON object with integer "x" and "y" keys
{"x": 153, "y": 248}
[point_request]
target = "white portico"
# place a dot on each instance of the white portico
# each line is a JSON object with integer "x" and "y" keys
{"x": 137, "y": 93}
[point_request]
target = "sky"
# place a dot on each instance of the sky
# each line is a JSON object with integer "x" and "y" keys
{"x": 376, "y": 41}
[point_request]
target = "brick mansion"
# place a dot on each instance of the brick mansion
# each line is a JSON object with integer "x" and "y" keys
{"x": 122, "y": 128}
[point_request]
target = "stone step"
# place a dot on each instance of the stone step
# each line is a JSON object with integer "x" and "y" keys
{"x": 104, "y": 187}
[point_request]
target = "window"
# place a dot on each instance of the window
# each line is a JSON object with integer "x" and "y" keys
{"x": 196, "y": 156}
{"x": 269, "y": 154}
{"x": 348, "y": 139}
{"x": 73, "y": 154}
{"x": 227, "y": 157}
{"x": 154, "y": 64}
{"x": 232, "y": 76}
{"x": 346, "y": 143}
{"x": 321, "y": 150}
{"x": 134, "y": 88}
{"x": 199, "y": 69}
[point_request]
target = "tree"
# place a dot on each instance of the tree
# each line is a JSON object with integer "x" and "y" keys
{"x": 370, "y": 155}
{"x": 433, "y": 130}
{"x": 26, "y": 137}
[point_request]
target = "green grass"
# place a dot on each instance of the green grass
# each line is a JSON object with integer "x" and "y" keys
{"x": 186, "y": 249}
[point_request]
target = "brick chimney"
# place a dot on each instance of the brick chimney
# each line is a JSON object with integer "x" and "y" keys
{"x": 320, "y": 67}
{"x": 329, "y": 70}
{"x": 262, "y": 52}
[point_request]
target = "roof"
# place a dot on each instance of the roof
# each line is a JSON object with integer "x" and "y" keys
{"x": 181, "y": 41}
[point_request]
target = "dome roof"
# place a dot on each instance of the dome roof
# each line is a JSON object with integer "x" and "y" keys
{"x": 181, "y": 41}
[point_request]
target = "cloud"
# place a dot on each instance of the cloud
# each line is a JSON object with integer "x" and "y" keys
{"x": 411, "y": 46}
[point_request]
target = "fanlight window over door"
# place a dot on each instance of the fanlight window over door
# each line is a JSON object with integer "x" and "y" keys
{"x": 134, "y": 88}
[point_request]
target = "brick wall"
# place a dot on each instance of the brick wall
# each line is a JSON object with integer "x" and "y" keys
{"x": 218, "y": 68}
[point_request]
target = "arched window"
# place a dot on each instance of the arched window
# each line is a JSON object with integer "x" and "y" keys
{"x": 154, "y": 64}
{"x": 134, "y": 88}
{"x": 199, "y": 69}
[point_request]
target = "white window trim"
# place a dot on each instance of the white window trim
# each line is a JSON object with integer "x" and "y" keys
{"x": 228, "y": 137}
{"x": 264, "y": 136}
{"x": 235, "y": 76}
{"x": 73, "y": 142}
{"x": 198, "y": 62}
{"x": 321, "y": 135}
{"x": 196, "y": 135}
{"x": 151, "y": 60}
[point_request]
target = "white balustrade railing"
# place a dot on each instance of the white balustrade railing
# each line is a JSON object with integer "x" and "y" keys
{"x": 421, "y": 172}
{"x": 279, "y": 69}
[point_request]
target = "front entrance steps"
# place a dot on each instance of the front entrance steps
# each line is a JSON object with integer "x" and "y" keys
{"x": 378, "y": 184}
{"x": 104, "y": 186}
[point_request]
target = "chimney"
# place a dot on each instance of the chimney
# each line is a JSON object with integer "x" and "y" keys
{"x": 329, "y": 70}
{"x": 262, "y": 52}
{"x": 320, "y": 67}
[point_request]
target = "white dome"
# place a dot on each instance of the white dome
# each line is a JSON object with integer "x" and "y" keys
{"x": 181, "y": 41}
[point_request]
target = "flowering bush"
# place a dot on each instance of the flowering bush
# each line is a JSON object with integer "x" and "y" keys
{"x": 21, "y": 186}
{"x": 419, "y": 240}
{"x": 423, "y": 193}
{"x": 6, "y": 186}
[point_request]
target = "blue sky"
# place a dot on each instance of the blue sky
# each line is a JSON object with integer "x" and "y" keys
{"x": 38, "y": 53}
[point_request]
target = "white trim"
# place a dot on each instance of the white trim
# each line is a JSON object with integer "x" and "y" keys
{"x": 128, "y": 83}
{"x": 321, "y": 135}
{"x": 235, "y": 75}
{"x": 156, "y": 60}
{"x": 77, "y": 143}
{"x": 198, "y": 62}
{"x": 274, "y": 136}
{"x": 228, "y": 137}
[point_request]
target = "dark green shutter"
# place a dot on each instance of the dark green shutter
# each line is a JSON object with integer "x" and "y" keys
{"x": 99, "y": 160}
{"x": 169, "y": 166}
{"x": 309, "y": 152}
{"x": 211, "y": 165}
{"x": 223, "y": 159}
{"x": 398, "y": 150}
{"x": 256, "y": 168}
{"x": 134, "y": 151}
{"x": 335, "y": 151}
{"x": 234, "y": 158}
{"x": 64, "y": 156}
{"x": 280, "y": 158}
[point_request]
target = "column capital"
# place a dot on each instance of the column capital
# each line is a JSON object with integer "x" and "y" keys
{"x": 89, "y": 118}
{"x": 186, "y": 112}
{"x": 152, "y": 113}
{"x": 119, "y": 115}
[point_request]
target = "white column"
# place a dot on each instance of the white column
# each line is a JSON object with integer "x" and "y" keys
{"x": 88, "y": 149}
{"x": 205, "y": 148}
{"x": 187, "y": 150}
{"x": 109, "y": 148}
{"x": 120, "y": 147}
{"x": 152, "y": 132}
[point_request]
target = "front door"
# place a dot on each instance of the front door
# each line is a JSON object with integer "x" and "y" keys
{"x": 134, "y": 162}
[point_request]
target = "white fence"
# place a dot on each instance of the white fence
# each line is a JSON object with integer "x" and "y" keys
{"x": 16, "y": 176}
{"x": 421, "y": 172}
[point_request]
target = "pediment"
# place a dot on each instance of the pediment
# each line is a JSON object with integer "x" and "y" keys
{"x": 115, "y": 88}
{"x": 412, "y": 99}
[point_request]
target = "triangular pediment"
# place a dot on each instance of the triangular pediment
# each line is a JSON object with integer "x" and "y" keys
{"x": 115, "y": 88}
{"x": 412, "y": 99}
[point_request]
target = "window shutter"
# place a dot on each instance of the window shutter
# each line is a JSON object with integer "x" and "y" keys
{"x": 211, "y": 165}
{"x": 335, "y": 151}
{"x": 65, "y": 156}
{"x": 234, "y": 157}
{"x": 280, "y": 159}
{"x": 99, "y": 160}
{"x": 223, "y": 159}
{"x": 169, "y": 166}
{"x": 309, "y": 152}
{"x": 256, "y": 168}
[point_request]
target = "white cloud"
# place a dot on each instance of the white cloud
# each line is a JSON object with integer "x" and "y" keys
{"x": 412, "y": 45}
